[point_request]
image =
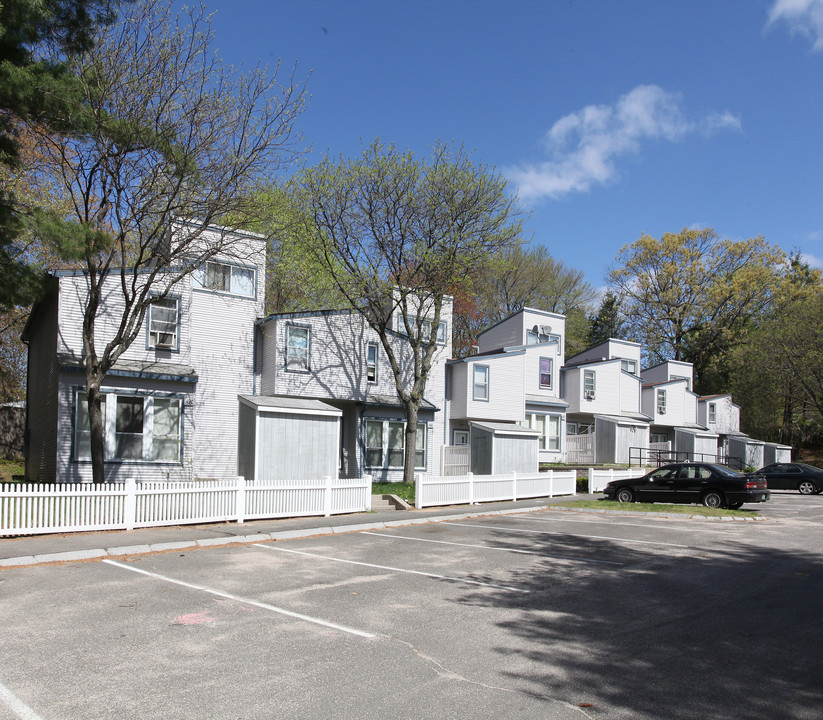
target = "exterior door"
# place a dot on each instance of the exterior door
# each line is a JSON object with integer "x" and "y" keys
{"x": 691, "y": 481}
{"x": 658, "y": 486}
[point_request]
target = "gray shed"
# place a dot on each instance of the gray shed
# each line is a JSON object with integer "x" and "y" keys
{"x": 776, "y": 453}
{"x": 498, "y": 448}
{"x": 620, "y": 438}
{"x": 284, "y": 438}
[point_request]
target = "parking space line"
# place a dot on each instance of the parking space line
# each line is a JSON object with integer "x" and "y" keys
{"x": 577, "y": 535}
{"x": 614, "y": 523}
{"x": 395, "y": 569}
{"x": 16, "y": 705}
{"x": 247, "y": 601}
{"x": 491, "y": 547}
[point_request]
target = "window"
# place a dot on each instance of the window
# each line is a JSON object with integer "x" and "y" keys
{"x": 629, "y": 366}
{"x": 712, "y": 413}
{"x": 481, "y": 383}
{"x": 386, "y": 443}
{"x": 588, "y": 384}
{"x": 425, "y": 329}
{"x": 163, "y": 323}
{"x": 298, "y": 340}
{"x": 136, "y": 427}
{"x": 661, "y": 402}
{"x": 549, "y": 428}
{"x": 226, "y": 278}
{"x": 683, "y": 377}
{"x": 128, "y": 433}
{"x": 545, "y": 373}
{"x": 658, "y": 438}
{"x": 82, "y": 428}
{"x": 371, "y": 362}
{"x": 461, "y": 437}
{"x": 374, "y": 443}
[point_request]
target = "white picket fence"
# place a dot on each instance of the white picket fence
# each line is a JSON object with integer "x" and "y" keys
{"x": 469, "y": 488}
{"x": 598, "y": 479}
{"x": 35, "y": 509}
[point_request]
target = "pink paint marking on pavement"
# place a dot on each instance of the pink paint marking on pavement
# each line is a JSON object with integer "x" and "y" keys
{"x": 193, "y": 619}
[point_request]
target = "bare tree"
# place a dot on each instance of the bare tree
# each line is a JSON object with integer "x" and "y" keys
{"x": 167, "y": 131}
{"x": 397, "y": 234}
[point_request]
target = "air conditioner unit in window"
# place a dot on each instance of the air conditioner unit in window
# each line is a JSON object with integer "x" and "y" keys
{"x": 589, "y": 394}
{"x": 661, "y": 409}
{"x": 164, "y": 340}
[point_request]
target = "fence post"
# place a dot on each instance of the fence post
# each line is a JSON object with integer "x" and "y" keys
{"x": 369, "y": 479}
{"x": 130, "y": 504}
{"x": 514, "y": 486}
{"x": 327, "y": 496}
{"x": 418, "y": 481}
{"x": 591, "y": 480}
{"x": 470, "y": 476}
{"x": 240, "y": 499}
{"x": 551, "y": 482}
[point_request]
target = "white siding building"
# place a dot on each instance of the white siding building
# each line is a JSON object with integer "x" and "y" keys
{"x": 171, "y": 400}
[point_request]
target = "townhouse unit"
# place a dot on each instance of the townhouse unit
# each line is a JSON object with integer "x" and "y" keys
{"x": 170, "y": 403}
{"x": 507, "y": 396}
{"x": 335, "y": 357}
{"x": 602, "y": 386}
{"x": 667, "y": 398}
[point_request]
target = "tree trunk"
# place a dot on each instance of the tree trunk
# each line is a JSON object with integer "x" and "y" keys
{"x": 97, "y": 432}
{"x": 411, "y": 443}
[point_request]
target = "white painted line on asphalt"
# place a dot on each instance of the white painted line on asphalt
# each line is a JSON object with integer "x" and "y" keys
{"x": 396, "y": 569}
{"x": 613, "y": 523}
{"x": 16, "y": 705}
{"x": 491, "y": 547}
{"x": 247, "y": 601}
{"x": 577, "y": 535}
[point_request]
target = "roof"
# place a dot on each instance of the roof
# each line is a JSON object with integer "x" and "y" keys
{"x": 557, "y": 316}
{"x": 499, "y": 428}
{"x": 540, "y": 400}
{"x": 638, "y": 420}
{"x": 293, "y": 405}
{"x": 394, "y": 401}
{"x": 147, "y": 369}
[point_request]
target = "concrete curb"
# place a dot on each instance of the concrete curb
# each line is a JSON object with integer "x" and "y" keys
{"x": 96, "y": 554}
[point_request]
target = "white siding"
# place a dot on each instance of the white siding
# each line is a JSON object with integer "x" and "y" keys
{"x": 506, "y": 401}
{"x": 512, "y": 331}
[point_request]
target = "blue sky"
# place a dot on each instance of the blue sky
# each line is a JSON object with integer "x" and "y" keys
{"x": 610, "y": 118}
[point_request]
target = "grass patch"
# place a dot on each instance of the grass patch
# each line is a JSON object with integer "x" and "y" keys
{"x": 659, "y": 507}
{"x": 12, "y": 471}
{"x": 403, "y": 490}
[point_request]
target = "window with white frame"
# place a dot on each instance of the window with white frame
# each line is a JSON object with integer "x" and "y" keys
{"x": 143, "y": 428}
{"x": 588, "y": 384}
{"x": 163, "y": 322}
{"x": 656, "y": 438}
{"x": 480, "y": 382}
{"x": 298, "y": 346}
{"x": 545, "y": 373}
{"x": 460, "y": 437}
{"x": 629, "y": 366}
{"x": 371, "y": 362}
{"x": 661, "y": 402}
{"x": 386, "y": 442}
{"x": 425, "y": 329}
{"x": 683, "y": 377}
{"x": 548, "y": 426}
{"x": 712, "y": 413}
{"x": 225, "y": 278}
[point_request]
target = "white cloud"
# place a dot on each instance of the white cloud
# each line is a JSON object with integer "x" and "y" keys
{"x": 583, "y": 147}
{"x": 813, "y": 261}
{"x": 804, "y": 17}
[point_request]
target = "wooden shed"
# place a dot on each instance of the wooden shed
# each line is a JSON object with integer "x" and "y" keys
{"x": 498, "y": 448}
{"x": 285, "y": 438}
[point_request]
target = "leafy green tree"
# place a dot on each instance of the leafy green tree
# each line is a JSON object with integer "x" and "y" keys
{"x": 396, "y": 234}
{"x": 168, "y": 132}
{"x": 521, "y": 277}
{"x": 36, "y": 86}
{"x": 691, "y": 295}
{"x": 607, "y": 322}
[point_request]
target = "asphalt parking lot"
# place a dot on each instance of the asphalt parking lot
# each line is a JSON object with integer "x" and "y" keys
{"x": 546, "y": 614}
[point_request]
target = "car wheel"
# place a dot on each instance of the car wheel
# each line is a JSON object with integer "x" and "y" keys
{"x": 713, "y": 499}
{"x": 807, "y": 487}
{"x": 734, "y": 506}
{"x": 624, "y": 495}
